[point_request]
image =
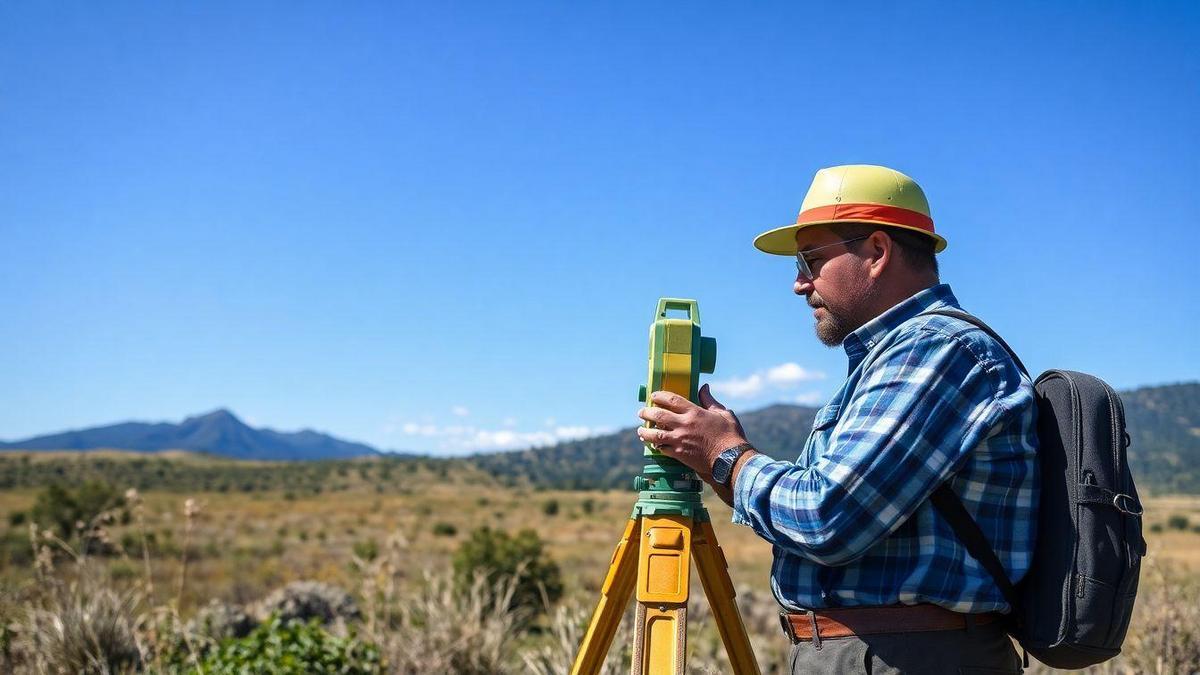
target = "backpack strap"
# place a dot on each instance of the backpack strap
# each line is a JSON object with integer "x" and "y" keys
{"x": 978, "y": 323}
{"x": 951, "y": 507}
{"x": 967, "y": 530}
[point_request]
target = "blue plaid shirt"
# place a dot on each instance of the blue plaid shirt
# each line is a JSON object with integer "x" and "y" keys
{"x": 928, "y": 399}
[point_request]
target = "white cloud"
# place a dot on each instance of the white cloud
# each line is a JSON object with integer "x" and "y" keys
{"x": 783, "y": 376}
{"x": 791, "y": 373}
{"x": 738, "y": 387}
{"x": 510, "y": 422}
{"x": 464, "y": 438}
{"x": 460, "y": 411}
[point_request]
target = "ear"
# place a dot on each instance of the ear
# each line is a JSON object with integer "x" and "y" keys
{"x": 878, "y": 250}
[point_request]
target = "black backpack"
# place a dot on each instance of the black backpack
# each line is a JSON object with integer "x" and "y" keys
{"x": 1072, "y": 608}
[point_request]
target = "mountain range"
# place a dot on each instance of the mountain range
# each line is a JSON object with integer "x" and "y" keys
{"x": 219, "y": 432}
{"x": 1163, "y": 423}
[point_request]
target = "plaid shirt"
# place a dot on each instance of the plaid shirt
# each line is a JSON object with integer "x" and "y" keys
{"x": 928, "y": 399}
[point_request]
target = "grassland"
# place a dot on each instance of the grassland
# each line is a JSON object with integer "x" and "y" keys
{"x": 242, "y": 545}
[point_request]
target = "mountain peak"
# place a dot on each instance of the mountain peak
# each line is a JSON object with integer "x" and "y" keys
{"x": 218, "y": 415}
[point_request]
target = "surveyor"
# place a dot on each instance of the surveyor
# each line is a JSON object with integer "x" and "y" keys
{"x": 870, "y": 577}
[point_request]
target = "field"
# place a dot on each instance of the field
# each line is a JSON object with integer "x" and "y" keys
{"x": 238, "y": 547}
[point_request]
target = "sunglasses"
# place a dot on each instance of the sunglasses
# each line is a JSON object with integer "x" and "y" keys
{"x": 802, "y": 264}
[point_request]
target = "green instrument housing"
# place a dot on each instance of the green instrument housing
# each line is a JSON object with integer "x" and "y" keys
{"x": 678, "y": 355}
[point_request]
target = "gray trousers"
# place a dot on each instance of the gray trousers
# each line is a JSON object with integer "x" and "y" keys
{"x": 976, "y": 649}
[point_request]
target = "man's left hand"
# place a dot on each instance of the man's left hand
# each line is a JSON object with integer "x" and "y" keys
{"x": 693, "y": 434}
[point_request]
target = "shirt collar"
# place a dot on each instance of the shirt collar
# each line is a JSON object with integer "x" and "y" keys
{"x": 861, "y": 341}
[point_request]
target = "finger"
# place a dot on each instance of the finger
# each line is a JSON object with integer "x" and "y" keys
{"x": 707, "y": 400}
{"x": 655, "y": 437}
{"x": 660, "y": 417}
{"x": 671, "y": 401}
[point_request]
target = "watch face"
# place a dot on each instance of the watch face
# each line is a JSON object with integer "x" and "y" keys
{"x": 722, "y": 466}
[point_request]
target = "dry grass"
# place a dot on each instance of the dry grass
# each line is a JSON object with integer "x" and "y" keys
{"x": 242, "y": 546}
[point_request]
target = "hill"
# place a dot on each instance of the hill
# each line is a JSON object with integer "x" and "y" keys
{"x": 1163, "y": 423}
{"x": 219, "y": 432}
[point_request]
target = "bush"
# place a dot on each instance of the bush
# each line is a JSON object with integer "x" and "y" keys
{"x": 61, "y": 509}
{"x": 367, "y": 549}
{"x": 1177, "y": 522}
{"x": 588, "y": 505}
{"x": 497, "y": 555}
{"x": 86, "y": 627}
{"x": 550, "y": 507}
{"x": 305, "y": 600}
{"x": 444, "y": 530}
{"x": 292, "y": 647}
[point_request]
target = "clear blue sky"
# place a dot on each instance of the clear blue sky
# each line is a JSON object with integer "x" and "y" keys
{"x": 444, "y": 226}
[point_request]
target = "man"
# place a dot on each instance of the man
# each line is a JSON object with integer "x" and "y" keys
{"x": 872, "y": 578}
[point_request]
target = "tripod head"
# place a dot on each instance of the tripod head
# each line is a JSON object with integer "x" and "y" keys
{"x": 678, "y": 355}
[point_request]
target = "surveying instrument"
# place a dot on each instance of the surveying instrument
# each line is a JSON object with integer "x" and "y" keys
{"x": 668, "y": 529}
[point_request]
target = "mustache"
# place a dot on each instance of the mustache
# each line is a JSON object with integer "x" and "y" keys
{"x": 815, "y": 302}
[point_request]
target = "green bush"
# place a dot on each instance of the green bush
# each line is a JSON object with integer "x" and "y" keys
{"x": 59, "y": 508}
{"x": 550, "y": 507}
{"x": 588, "y": 505}
{"x": 293, "y": 647}
{"x": 496, "y": 554}
{"x": 367, "y": 549}
{"x": 1177, "y": 522}
{"x": 73, "y": 513}
{"x": 444, "y": 530}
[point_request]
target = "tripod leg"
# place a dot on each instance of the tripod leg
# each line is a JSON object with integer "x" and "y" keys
{"x": 660, "y": 634}
{"x": 714, "y": 577}
{"x": 614, "y": 595}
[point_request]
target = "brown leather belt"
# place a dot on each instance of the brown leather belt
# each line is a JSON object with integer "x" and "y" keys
{"x": 824, "y": 624}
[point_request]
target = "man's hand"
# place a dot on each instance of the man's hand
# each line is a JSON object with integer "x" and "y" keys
{"x": 693, "y": 434}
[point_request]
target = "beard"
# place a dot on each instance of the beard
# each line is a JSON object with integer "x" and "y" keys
{"x": 833, "y": 326}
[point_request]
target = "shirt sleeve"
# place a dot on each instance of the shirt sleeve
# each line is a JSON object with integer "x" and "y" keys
{"x": 922, "y": 405}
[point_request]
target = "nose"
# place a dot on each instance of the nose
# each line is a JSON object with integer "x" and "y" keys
{"x": 803, "y": 285}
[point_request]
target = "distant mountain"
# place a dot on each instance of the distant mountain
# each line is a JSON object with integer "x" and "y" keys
{"x": 1164, "y": 433}
{"x": 219, "y": 432}
{"x": 613, "y": 460}
{"x": 1163, "y": 424}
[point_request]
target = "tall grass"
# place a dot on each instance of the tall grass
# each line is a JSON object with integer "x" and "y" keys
{"x": 76, "y": 617}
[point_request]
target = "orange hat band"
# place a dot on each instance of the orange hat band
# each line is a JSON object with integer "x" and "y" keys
{"x": 877, "y": 213}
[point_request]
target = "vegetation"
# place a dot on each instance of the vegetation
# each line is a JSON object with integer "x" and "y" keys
{"x": 403, "y": 581}
{"x": 292, "y": 648}
{"x": 496, "y": 555}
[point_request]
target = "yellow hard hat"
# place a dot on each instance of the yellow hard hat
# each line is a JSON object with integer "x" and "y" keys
{"x": 856, "y": 193}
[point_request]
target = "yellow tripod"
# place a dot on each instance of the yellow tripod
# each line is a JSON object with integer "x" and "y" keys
{"x": 669, "y": 529}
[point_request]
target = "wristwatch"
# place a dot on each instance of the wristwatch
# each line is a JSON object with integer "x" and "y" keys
{"x": 722, "y": 469}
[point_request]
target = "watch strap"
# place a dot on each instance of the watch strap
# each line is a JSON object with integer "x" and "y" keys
{"x": 736, "y": 452}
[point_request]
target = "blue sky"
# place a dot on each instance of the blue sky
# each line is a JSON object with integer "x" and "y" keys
{"x": 444, "y": 226}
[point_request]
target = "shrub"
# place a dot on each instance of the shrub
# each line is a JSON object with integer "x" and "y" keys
{"x": 550, "y": 507}
{"x": 86, "y": 627}
{"x": 444, "y": 530}
{"x": 496, "y": 555}
{"x": 1177, "y": 522}
{"x": 292, "y": 647}
{"x": 367, "y": 549}
{"x": 61, "y": 509}
{"x": 588, "y": 505}
{"x": 305, "y": 600}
